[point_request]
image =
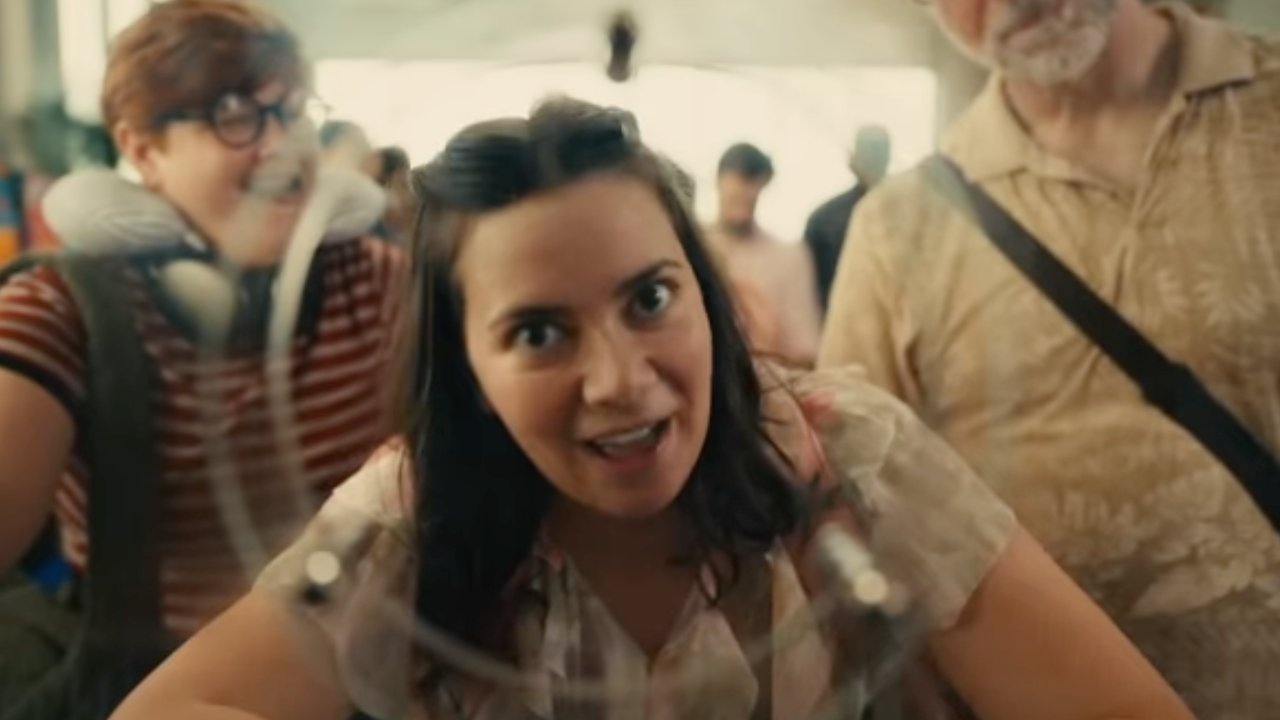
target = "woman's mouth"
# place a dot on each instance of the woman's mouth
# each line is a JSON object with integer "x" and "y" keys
{"x": 631, "y": 443}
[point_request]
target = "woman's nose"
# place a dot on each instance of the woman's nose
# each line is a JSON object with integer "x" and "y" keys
{"x": 617, "y": 369}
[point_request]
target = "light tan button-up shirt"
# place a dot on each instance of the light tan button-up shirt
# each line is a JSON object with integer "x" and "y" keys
{"x": 1130, "y": 504}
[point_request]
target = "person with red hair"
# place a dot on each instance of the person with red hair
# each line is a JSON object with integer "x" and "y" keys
{"x": 207, "y": 100}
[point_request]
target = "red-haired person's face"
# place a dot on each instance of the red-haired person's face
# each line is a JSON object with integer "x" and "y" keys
{"x": 203, "y": 98}
{"x": 241, "y": 189}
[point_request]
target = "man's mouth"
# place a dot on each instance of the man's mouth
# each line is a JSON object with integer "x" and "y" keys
{"x": 1029, "y": 19}
{"x": 632, "y": 441}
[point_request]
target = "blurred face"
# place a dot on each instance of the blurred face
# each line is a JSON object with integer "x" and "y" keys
{"x": 739, "y": 195}
{"x": 586, "y": 330}
{"x": 871, "y": 157}
{"x": 243, "y": 198}
{"x": 1046, "y": 42}
{"x": 353, "y": 151}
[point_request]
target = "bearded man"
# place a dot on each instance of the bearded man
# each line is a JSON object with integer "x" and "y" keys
{"x": 1141, "y": 145}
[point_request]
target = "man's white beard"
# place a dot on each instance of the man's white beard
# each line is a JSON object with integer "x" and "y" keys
{"x": 1063, "y": 47}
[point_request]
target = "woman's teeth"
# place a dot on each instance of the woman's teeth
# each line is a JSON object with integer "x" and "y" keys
{"x": 631, "y": 441}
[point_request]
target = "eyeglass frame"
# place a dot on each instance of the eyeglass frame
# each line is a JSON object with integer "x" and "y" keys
{"x": 262, "y": 114}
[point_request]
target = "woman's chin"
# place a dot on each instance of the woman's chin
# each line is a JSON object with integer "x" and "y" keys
{"x": 638, "y": 508}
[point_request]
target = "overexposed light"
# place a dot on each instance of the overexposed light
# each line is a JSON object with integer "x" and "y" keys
{"x": 120, "y": 13}
{"x": 84, "y": 31}
{"x": 82, "y": 44}
{"x": 805, "y": 118}
{"x": 323, "y": 568}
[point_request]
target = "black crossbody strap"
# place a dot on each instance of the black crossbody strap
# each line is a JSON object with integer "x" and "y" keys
{"x": 1168, "y": 385}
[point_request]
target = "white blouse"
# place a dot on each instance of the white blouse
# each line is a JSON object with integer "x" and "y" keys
{"x": 933, "y": 527}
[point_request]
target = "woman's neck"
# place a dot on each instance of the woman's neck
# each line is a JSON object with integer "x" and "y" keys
{"x": 628, "y": 564}
{"x": 587, "y": 535}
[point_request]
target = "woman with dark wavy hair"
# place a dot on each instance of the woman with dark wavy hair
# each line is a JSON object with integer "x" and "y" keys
{"x": 594, "y": 486}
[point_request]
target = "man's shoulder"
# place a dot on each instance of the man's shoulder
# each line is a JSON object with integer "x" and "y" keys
{"x": 835, "y": 202}
{"x": 1266, "y": 54}
{"x": 1265, "y": 48}
{"x": 1256, "y": 57}
{"x": 905, "y": 204}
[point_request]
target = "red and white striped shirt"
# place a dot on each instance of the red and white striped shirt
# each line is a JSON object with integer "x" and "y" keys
{"x": 338, "y": 384}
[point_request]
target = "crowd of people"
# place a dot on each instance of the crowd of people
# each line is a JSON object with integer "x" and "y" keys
{"x": 309, "y": 427}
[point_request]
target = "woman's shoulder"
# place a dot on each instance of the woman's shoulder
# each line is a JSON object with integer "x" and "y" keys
{"x": 932, "y": 522}
{"x": 42, "y": 333}
{"x": 845, "y": 389}
{"x": 351, "y": 576}
{"x": 381, "y": 492}
{"x": 837, "y": 409}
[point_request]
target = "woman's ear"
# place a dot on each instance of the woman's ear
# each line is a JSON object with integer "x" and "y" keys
{"x": 139, "y": 149}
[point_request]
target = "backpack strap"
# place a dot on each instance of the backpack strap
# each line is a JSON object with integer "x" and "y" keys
{"x": 124, "y": 619}
{"x": 123, "y": 637}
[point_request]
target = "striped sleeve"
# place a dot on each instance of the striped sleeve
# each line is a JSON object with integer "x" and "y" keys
{"x": 42, "y": 337}
{"x": 391, "y": 269}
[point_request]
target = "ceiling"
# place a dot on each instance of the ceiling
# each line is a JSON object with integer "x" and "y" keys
{"x": 694, "y": 32}
{"x": 676, "y": 31}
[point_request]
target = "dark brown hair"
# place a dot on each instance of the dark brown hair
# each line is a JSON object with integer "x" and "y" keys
{"x": 480, "y": 500}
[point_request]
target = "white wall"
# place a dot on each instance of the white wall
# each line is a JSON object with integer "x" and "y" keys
{"x": 16, "y": 56}
{"x": 690, "y": 32}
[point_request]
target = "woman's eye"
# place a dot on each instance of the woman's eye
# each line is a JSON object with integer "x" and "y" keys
{"x": 537, "y": 336}
{"x": 652, "y": 299}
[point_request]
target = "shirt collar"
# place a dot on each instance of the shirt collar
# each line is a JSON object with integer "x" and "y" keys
{"x": 989, "y": 141}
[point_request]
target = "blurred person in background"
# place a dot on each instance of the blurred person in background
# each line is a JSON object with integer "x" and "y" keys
{"x": 206, "y": 99}
{"x": 344, "y": 144}
{"x": 774, "y": 281}
{"x": 12, "y": 223}
{"x": 389, "y": 168}
{"x": 827, "y": 227}
{"x": 1141, "y": 145}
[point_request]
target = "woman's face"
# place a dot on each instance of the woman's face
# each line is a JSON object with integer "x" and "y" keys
{"x": 586, "y": 330}
{"x": 244, "y": 200}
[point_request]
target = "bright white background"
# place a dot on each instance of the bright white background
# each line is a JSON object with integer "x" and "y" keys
{"x": 804, "y": 117}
